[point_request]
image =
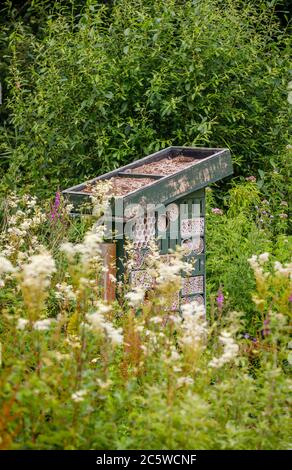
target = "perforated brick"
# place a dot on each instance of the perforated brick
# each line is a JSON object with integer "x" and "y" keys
{"x": 192, "y": 285}
{"x": 192, "y": 227}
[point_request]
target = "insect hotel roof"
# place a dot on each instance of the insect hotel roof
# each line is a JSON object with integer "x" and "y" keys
{"x": 162, "y": 177}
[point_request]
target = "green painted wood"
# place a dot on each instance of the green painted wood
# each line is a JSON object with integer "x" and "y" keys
{"x": 184, "y": 182}
{"x": 214, "y": 165}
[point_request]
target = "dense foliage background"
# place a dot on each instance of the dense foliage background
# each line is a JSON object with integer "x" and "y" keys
{"x": 92, "y": 85}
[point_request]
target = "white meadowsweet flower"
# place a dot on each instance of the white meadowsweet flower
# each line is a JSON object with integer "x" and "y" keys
{"x": 21, "y": 323}
{"x": 68, "y": 208}
{"x": 171, "y": 272}
{"x": 112, "y": 278}
{"x": 16, "y": 232}
{"x": 68, "y": 249}
{"x": 136, "y": 296}
{"x": 12, "y": 203}
{"x": 104, "y": 385}
{"x": 278, "y": 266}
{"x": 96, "y": 320}
{"x": 32, "y": 202}
{"x": 102, "y": 307}
{"x": 37, "y": 273}
{"x": 90, "y": 246}
{"x": 38, "y": 219}
{"x": 216, "y": 363}
{"x": 89, "y": 250}
{"x": 190, "y": 308}
{"x": 25, "y": 224}
{"x": 65, "y": 292}
{"x": 156, "y": 319}
{"x": 263, "y": 258}
{"x": 284, "y": 270}
{"x": 19, "y": 213}
{"x": 100, "y": 325}
{"x": 8, "y": 250}
{"x": 5, "y": 266}
{"x": 181, "y": 381}
{"x": 114, "y": 334}
{"x": 22, "y": 257}
{"x": 12, "y": 220}
{"x": 253, "y": 261}
{"x": 61, "y": 356}
{"x": 255, "y": 264}
{"x": 86, "y": 326}
{"x": 43, "y": 325}
{"x": 230, "y": 351}
{"x": 84, "y": 282}
{"x": 174, "y": 356}
{"x": 176, "y": 319}
{"x": 225, "y": 336}
{"x": 79, "y": 395}
{"x": 194, "y": 326}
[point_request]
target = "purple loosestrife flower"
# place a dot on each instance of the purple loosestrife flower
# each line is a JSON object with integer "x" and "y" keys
{"x": 220, "y": 299}
{"x": 55, "y": 208}
{"x": 266, "y": 331}
{"x": 290, "y": 298}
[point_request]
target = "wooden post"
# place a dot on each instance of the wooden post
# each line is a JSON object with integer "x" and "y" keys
{"x": 108, "y": 251}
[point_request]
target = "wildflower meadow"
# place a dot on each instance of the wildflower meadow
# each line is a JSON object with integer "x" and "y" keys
{"x": 89, "y": 86}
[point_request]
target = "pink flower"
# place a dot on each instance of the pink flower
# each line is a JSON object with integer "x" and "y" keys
{"x": 217, "y": 211}
{"x": 252, "y": 179}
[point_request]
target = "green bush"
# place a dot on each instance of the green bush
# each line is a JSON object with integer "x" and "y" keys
{"x": 254, "y": 219}
{"x": 90, "y": 93}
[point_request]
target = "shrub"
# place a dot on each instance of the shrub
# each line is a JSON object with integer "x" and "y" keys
{"x": 247, "y": 224}
{"x": 88, "y": 95}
